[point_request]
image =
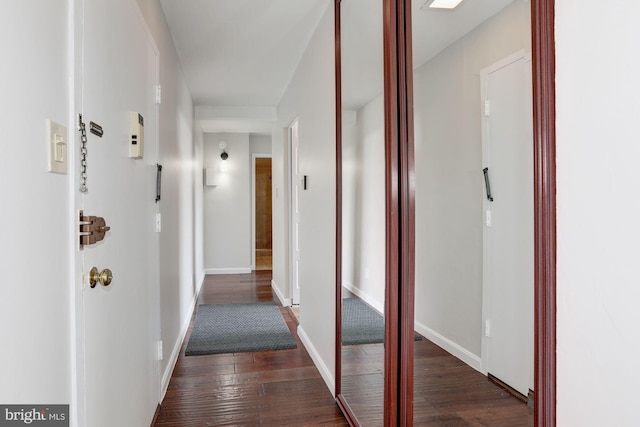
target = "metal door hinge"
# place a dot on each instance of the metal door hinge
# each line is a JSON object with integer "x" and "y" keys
{"x": 487, "y": 108}
{"x": 92, "y": 229}
{"x": 158, "y": 94}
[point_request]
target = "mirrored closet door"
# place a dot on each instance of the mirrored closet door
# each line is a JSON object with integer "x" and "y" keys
{"x": 446, "y": 212}
{"x": 362, "y": 276}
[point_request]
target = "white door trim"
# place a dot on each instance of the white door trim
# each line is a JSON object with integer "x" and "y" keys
{"x": 77, "y": 407}
{"x": 291, "y": 214}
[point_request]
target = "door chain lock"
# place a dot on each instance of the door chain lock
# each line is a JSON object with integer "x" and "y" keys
{"x": 92, "y": 229}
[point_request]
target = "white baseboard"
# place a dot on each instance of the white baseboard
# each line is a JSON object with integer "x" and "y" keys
{"x": 200, "y": 281}
{"x": 375, "y": 304}
{"x": 458, "y": 351}
{"x": 227, "y": 270}
{"x": 175, "y": 352}
{"x": 326, "y": 374}
{"x": 286, "y": 302}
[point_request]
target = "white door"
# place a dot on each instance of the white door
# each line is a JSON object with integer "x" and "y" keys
{"x": 508, "y": 232}
{"x": 296, "y": 187}
{"x": 118, "y": 324}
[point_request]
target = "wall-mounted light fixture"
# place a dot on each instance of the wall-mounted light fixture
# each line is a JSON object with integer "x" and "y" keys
{"x": 223, "y": 147}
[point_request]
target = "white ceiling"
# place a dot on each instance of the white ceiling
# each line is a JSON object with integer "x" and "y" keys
{"x": 243, "y": 53}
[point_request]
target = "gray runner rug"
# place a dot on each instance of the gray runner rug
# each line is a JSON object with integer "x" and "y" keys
{"x": 361, "y": 324}
{"x": 237, "y": 328}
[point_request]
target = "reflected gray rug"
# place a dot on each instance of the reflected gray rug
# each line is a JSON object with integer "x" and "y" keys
{"x": 237, "y": 328}
{"x": 361, "y": 324}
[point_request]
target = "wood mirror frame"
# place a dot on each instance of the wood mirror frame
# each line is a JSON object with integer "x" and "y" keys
{"x": 400, "y": 210}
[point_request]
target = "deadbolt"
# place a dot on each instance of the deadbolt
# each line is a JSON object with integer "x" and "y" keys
{"x": 104, "y": 277}
{"x": 92, "y": 229}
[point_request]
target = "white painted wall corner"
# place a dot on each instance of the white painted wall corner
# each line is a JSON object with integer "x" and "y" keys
{"x": 175, "y": 352}
{"x": 326, "y": 374}
{"x": 200, "y": 281}
{"x": 286, "y": 302}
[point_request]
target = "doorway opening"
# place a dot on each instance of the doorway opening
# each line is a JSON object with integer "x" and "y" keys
{"x": 262, "y": 222}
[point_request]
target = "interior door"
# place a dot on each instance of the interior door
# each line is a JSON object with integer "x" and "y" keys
{"x": 509, "y": 222}
{"x": 296, "y": 187}
{"x": 120, "y": 321}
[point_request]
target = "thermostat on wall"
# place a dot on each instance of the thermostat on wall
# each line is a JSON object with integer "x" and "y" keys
{"x": 136, "y": 135}
{"x": 210, "y": 177}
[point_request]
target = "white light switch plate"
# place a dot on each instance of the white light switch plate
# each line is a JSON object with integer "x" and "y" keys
{"x": 57, "y": 147}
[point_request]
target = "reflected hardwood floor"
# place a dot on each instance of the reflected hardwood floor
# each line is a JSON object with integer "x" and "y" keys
{"x": 447, "y": 391}
{"x": 268, "y": 388}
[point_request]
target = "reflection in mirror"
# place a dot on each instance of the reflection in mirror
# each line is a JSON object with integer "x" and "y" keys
{"x": 363, "y": 209}
{"x": 474, "y": 256}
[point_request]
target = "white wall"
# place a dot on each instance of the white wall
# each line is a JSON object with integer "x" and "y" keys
{"x": 597, "y": 214}
{"x": 180, "y": 249}
{"x": 350, "y": 180}
{"x": 198, "y": 195}
{"x": 227, "y": 207}
{"x": 364, "y": 206}
{"x": 35, "y": 243}
{"x": 259, "y": 144}
{"x": 310, "y": 97}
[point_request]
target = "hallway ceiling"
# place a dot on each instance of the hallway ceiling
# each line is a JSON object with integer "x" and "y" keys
{"x": 240, "y": 52}
{"x": 243, "y": 53}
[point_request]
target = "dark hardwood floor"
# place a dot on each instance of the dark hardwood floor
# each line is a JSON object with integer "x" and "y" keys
{"x": 283, "y": 388}
{"x": 268, "y": 388}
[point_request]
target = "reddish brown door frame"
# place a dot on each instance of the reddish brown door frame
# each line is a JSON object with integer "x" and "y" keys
{"x": 544, "y": 146}
{"x": 400, "y": 214}
{"x": 400, "y": 220}
{"x": 338, "y": 342}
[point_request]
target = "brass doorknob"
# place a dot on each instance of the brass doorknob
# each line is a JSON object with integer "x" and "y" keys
{"x": 104, "y": 277}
